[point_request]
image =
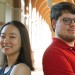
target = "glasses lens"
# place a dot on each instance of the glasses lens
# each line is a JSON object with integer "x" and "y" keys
{"x": 67, "y": 21}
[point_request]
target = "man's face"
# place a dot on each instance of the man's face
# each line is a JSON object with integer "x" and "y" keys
{"x": 65, "y": 27}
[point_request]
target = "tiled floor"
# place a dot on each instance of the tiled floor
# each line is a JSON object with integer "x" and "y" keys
{"x": 37, "y": 64}
{"x": 37, "y": 72}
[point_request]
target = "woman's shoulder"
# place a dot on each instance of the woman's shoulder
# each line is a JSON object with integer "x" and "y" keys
{"x": 21, "y": 69}
{"x": 22, "y": 66}
{"x": 0, "y": 68}
{"x": 1, "y": 71}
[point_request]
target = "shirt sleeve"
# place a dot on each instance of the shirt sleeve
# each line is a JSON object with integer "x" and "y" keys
{"x": 55, "y": 63}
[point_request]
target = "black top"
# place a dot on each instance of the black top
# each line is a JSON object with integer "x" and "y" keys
{"x": 2, "y": 71}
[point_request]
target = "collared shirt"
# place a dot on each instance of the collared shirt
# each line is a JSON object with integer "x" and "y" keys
{"x": 59, "y": 59}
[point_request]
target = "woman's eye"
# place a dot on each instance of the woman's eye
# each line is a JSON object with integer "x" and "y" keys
{"x": 2, "y": 36}
{"x": 12, "y": 37}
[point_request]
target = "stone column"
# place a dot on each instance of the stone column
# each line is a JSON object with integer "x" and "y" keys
{"x": 49, "y": 3}
{"x": 2, "y": 19}
{"x": 9, "y": 11}
{"x": 17, "y": 14}
{"x": 2, "y": 11}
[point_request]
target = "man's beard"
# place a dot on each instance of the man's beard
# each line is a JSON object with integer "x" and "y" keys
{"x": 67, "y": 38}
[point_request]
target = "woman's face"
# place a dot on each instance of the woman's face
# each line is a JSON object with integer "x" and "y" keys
{"x": 10, "y": 40}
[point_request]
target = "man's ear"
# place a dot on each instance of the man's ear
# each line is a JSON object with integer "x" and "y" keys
{"x": 54, "y": 24}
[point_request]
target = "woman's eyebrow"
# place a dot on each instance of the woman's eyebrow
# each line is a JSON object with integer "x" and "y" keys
{"x": 2, "y": 33}
{"x": 13, "y": 34}
{"x": 9, "y": 33}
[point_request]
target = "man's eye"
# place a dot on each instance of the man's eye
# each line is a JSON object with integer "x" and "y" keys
{"x": 66, "y": 20}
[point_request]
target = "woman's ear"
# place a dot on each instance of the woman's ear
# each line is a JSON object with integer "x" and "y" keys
{"x": 54, "y": 24}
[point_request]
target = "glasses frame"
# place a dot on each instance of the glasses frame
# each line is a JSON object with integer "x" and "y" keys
{"x": 68, "y": 21}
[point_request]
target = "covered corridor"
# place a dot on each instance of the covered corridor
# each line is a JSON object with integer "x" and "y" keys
{"x": 35, "y": 15}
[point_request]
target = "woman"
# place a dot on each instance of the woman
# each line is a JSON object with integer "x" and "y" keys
{"x": 15, "y": 45}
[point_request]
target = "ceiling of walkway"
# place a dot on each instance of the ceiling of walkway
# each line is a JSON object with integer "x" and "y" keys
{"x": 43, "y": 7}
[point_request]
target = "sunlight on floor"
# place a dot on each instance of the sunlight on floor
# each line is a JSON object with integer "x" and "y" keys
{"x": 41, "y": 39}
{"x": 37, "y": 73}
{"x": 38, "y": 70}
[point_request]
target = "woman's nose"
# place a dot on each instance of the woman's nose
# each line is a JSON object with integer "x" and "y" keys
{"x": 6, "y": 40}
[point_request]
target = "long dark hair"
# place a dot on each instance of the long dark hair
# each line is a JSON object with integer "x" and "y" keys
{"x": 25, "y": 51}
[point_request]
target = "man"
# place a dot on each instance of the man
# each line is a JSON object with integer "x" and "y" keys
{"x": 59, "y": 57}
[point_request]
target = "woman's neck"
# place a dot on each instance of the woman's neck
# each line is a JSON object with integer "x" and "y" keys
{"x": 12, "y": 59}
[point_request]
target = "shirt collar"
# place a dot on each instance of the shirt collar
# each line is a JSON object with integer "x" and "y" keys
{"x": 62, "y": 43}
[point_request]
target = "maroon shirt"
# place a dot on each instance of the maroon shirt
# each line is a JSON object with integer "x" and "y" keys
{"x": 59, "y": 59}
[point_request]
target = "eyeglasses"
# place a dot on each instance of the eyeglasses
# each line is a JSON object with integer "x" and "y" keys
{"x": 68, "y": 21}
